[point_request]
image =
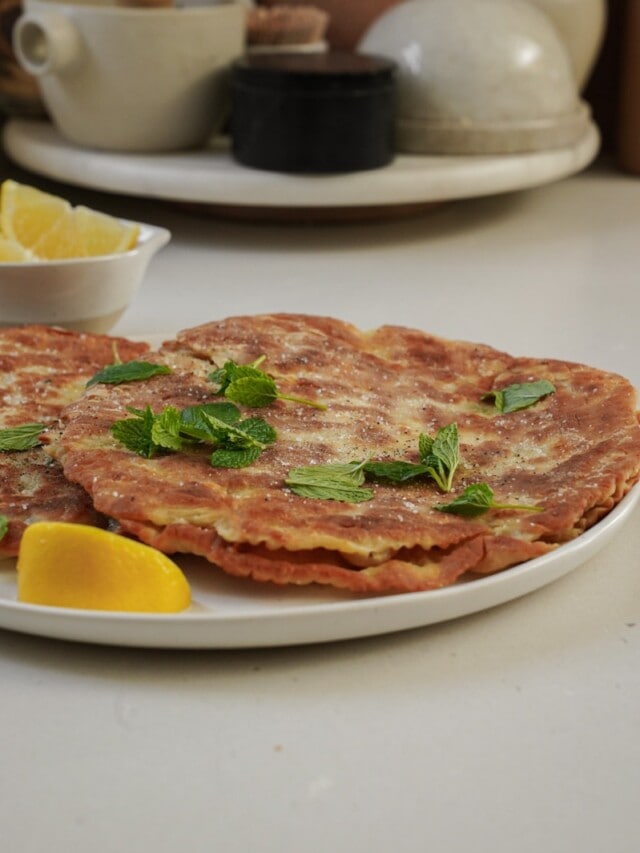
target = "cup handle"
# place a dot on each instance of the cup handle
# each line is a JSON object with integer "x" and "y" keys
{"x": 46, "y": 42}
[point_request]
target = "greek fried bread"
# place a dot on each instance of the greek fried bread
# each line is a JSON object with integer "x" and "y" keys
{"x": 575, "y": 453}
{"x": 43, "y": 369}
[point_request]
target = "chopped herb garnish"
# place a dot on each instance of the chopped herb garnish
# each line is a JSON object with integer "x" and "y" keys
{"x": 520, "y": 395}
{"x": 129, "y": 371}
{"x": 334, "y": 482}
{"x": 4, "y": 526}
{"x": 22, "y": 437}
{"x": 236, "y": 442}
{"x": 247, "y": 385}
{"x": 478, "y": 499}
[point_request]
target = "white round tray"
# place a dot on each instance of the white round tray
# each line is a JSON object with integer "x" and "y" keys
{"x": 210, "y": 177}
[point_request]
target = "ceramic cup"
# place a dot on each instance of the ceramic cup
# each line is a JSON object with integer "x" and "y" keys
{"x": 132, "y": 79}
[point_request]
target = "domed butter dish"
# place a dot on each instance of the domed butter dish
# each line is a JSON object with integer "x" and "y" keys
{"x": 479, "y": 77}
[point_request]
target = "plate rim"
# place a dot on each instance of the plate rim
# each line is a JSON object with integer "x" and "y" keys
{"x": 316, "y": 622}
{"x": 211, "y": 177}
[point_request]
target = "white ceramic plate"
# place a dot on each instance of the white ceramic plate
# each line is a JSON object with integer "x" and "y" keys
{"x": 213, "y": 178}
{"x": 232, "y": 613}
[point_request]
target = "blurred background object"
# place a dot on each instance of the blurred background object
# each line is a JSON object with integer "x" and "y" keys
{"x": 348, "y": 19}
{"x": 19, "y": 94}
{"x": 286, "y": 28}
{"x": 627, "y": 118}
{"x": 479, "y": 77}
{"x": 581, "y": 24}
{"x": 132, "y": 79}
{"x": 601, "y": 35}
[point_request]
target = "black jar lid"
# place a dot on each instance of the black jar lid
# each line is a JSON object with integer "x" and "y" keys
{"x": 314, "y": 72}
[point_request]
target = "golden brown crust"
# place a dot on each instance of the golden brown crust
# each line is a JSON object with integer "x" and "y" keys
{"x": 576, "y": 453}
{"x": 43, "y": 369}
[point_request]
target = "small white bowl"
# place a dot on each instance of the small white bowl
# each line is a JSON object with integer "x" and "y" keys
{"x": 86, "y": 294}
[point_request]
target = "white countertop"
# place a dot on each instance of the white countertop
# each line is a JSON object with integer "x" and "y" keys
{"x": 515, "y": 729}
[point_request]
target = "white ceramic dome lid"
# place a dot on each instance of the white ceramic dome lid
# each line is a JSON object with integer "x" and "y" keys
{"x": 494, "y": 67}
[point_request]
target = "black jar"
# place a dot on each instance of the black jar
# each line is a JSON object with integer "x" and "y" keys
{"x": 313, "y": 113}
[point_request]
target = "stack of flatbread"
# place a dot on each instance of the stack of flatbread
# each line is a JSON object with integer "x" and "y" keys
{"x": 42, "y": 370}
{"x": 568, "y": 458}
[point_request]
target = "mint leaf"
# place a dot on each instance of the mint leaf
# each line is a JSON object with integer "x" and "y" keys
{"x": 249, "y": 386}
{"x": 477, "y": 499}
{"x": 165, "y": 430}
{"x": 331, "y": 492}
{"x": 395, "y": 471}
{"x": 136, "y": 432}
{"x": 130, "y": 371}
{"x": 425, "y": 445}
{"x": 227, "y": 457}
{"x": 519, "y": 395}
{"x": 441, "y": 455}
{"x": 259, "y": 430}
{"x": 239, "y": 444}
{"x": 252, "y": 391}
{"x": 4, "y": 526}
{"x": 22, "y": 437}
{"x": 253, "y": 432}
{"x": 194, "y": 422}
{"x": 334, "y": 481}
{"x": 231, "y": 371}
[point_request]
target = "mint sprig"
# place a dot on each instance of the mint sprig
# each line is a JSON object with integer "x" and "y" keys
{"x": 236, "y": 443}
{"x": 23, "y": 437}
{"x": 334, "y": 481}
{"x": 4, "y": 526}
{"x": 520, "y": 395}
{"x": 129, "y": 371}
{"x": 341, "y": 481}
{"x": 247, "y": 385}
{"x": 477, "y": 499}
{"x": 441, "y": 455}
{"x": 439, "y": 459}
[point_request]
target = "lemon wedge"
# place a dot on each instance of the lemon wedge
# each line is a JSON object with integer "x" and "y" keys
{"x": 12, "y": 252}
{"x": 52, "y": 229}
{"x": 74, "y": 565}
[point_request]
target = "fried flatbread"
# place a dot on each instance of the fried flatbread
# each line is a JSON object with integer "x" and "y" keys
{"x": 575, "y": 453}
{"x": 42, "y": 370}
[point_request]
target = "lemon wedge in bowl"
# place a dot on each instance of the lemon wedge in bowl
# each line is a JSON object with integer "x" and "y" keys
{"x": 13, "y": 252}
{"x": 61, "y": 564}
{"x": 50, "y": 228}
{"x": 68, "y": 266}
